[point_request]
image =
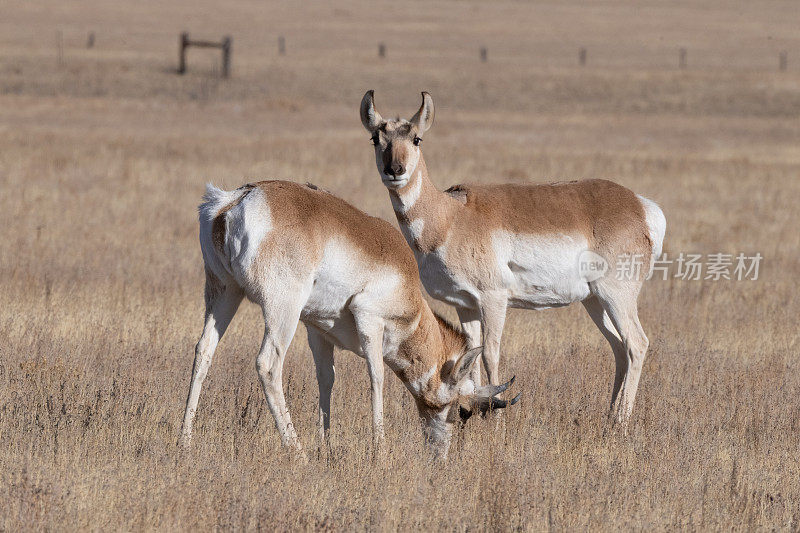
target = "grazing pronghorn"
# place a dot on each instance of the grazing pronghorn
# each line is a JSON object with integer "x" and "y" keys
{"x": 303, "y": 254}
{"x": 484, "y": 248}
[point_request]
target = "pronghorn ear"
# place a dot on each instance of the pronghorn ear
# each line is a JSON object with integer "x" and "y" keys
{"x": 370, "y": 117}
{"x": 464, "y": 364}
{"x": 423, "y": 119}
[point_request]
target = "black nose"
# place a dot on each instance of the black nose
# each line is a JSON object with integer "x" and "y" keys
{"x": 396, "y": 169}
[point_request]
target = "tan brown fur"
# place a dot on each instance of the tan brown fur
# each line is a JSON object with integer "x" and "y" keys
{"x": 318, "y": 215}
{"x": 435, "y": 342}
{"x": 437, "y": 209}
{"x": 608, "y": 215}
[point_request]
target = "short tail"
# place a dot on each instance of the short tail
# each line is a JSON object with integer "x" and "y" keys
{"x": 215, "y": 199}
{"x": 656, "y": 224}
{"x": 213, "y": 226}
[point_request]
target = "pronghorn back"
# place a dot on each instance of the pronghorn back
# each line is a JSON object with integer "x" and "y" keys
{"x": 612, "y": 218}
{"x": 307, "y": 218}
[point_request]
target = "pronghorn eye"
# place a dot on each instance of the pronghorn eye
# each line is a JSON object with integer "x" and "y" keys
{"x": 417, "y": 140}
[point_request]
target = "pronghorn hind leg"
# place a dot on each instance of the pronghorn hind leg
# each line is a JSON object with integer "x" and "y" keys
{"x": 221, "y": 305}
{"x": 606, "y": 327}
{"x": 619, "y": 301}
{"x": 471, "y": 326}
{"x": 280, "y": 324}
{"x": 322, "y": 350}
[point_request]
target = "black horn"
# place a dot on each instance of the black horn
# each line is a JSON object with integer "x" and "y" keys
{"x": 497, "y": 403}
{"x": 494, "y": 390}
{"x": 485, "y": 400}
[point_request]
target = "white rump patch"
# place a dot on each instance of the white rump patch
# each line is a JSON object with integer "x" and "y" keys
{"x": 214, "y": 200}
{"x": 248, "y": 224}
{"x": 656, "y": 223}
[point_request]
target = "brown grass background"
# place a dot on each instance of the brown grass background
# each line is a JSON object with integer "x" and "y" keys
{"x": 103, "y": 157}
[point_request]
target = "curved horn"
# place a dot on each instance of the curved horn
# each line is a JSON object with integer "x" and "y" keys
{"x": 494, "y": 390}
{"x": 370, "y": 117}
{"x": 484, "y": 400}
{"x": 497, "y": 403}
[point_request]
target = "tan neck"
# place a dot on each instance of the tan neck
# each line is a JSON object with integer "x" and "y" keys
{"x": 427, "y": 350}
{"x": 424, "y": 212}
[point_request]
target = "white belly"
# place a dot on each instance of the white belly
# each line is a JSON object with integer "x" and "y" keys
{"x": 540, "y": 271}
{"x": 536, "y": 272}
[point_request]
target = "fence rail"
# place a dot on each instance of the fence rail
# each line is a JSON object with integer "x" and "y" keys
{"x": 224, "y": 45}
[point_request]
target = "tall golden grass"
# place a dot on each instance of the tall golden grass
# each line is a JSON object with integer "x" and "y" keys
{"x": 102, "y": 163}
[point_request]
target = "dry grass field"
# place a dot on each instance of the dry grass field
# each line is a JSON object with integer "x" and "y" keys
{"x": 103, "y": 158}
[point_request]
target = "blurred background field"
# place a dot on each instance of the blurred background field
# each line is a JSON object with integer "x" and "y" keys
{"x": 104, "y": 153}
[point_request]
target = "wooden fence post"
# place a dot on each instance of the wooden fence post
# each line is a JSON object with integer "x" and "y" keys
{"x": 682, "y": 58}
{"x": 226, "y": 56}
{"x": 783, "y": 61}
{"x": 184, "y": 43}
{"x": 484, "y": 54}
{"x": 281, "y": 46}
{"x": 225, "y": 45}
{"x": 90, "y": 40}
{"x": 381, "y": 50}
{"x": 582, "y": 57}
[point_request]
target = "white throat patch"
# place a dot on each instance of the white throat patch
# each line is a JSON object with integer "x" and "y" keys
{"x": 402, "y": 203}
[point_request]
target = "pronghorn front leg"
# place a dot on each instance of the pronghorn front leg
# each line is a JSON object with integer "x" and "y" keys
{"x": 493, "y": 319}
{"x": 370, "y": 334}
{"x": 471, "y": 326}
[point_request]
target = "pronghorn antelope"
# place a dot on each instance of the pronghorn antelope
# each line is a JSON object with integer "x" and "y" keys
{"x": 303, "y": 254}
{"x": 489, "y": 247}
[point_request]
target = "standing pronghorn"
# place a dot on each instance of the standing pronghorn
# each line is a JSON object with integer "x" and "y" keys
{"x": 303, "y": 254}
{"x": 483, "y": 248}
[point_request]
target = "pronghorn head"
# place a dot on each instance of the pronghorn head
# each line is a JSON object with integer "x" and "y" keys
{"x": 397, "y": 141}
{"x": 456, "y": 397}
